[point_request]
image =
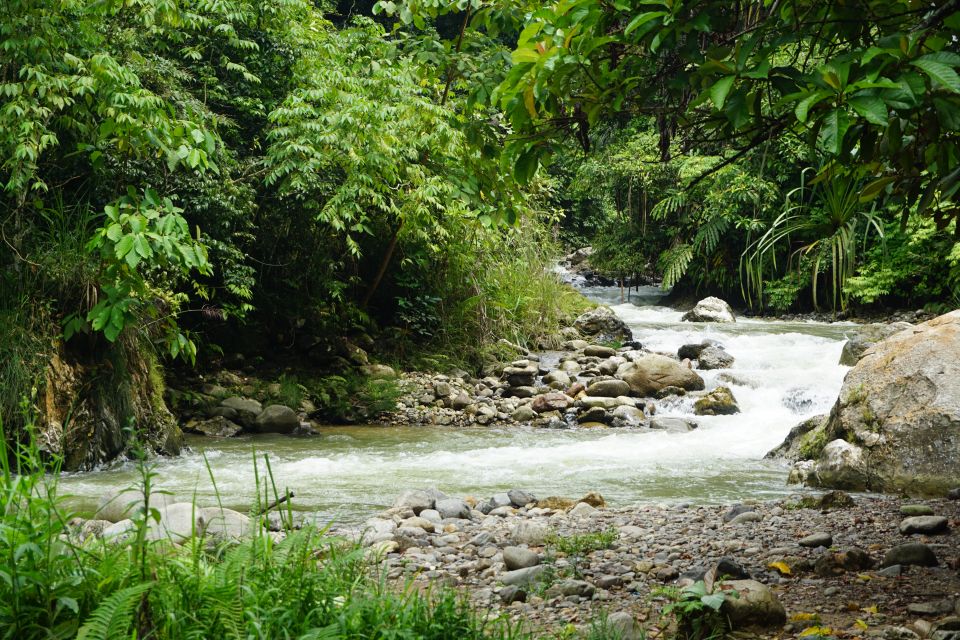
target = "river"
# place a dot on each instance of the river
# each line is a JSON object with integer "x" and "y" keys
{"x": 784, "y": 372}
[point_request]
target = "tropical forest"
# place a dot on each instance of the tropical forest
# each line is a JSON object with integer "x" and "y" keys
{"x": 480, "y": 319}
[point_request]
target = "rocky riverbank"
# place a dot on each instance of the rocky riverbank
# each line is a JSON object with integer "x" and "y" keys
{"x": 599, "y": 378}
{"x": 830, "y": 565}
{"x": 871, "y": 566}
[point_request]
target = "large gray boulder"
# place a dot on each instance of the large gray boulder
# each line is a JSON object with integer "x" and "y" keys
{"x": 652, "y": 372}
{"x": 801, "y": 440}
{"x": 714, "y": 357}
{"x": 216, "y": 427}
{"x": 247, "y": 410}
{"x": 899, "y": 415}
{"x": 226, "y": 523}
{"x": 177, "y": 522}
{"x": 710, "y": 310}
{"x": 867, "y": 336}
{"x": 719, "y": 402}
{"x": 277, "y": 419}
{"x": 608, "y": 388}
{"x": 415, "y": 500}
{"x": 603, "y": 325}
{"x": 841, "y": 466}
{"x": 453, "y": 508}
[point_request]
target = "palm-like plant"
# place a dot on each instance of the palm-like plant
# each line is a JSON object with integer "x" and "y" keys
{"x": 823, "y": 229}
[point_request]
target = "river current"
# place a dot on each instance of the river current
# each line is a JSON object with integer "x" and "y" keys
{"x": 784, "y": 372}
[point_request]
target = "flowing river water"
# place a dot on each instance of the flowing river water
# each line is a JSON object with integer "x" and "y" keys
{"x": 784, "y": 372}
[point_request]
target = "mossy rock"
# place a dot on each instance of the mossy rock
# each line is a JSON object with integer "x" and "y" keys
{"x": 719, "y": 402}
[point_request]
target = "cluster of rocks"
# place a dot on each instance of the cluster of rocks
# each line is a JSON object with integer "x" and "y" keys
{"x": 830, "y": 561}
{"x": 175, "y": 521}
{"x": 587, "y": 384}
{"x": 231, "y": 403}
{"x": 579, "y": 265}
{"x": 894, "y": 427}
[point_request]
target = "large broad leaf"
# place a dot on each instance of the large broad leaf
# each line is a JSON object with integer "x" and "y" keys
{"x": 529, "y": 102}
{"x": 713, "y": 600}
{"x": 124, "y": 247}
{"x": 835, "y": 125}
{"x": 939, "y": 72}
{"x": 875, "y": 188}
{"x": 944, "y": 57}
{"x": 949, "y": 112}
{"x": 525, "y": 166}
{"x": 872, "y": 108}
{"x": 642, "y": 19}
{"x": 719, "y": 91}
{"x": 803, "y": 107}
{"x": 526, "y": 54}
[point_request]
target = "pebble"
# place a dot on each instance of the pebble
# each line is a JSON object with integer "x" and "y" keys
{"x": 815, "y": 540}
{"x": 521, "y": 576}
{"x": 746, "y": 517}
{"x": 916, "y": 510}
{"x": 519, "y": 558}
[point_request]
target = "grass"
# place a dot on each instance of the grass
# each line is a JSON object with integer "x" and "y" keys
{"x": 502, "y": 298}
{"x": 575, "y": 549}
{"x": 48, "y": 276}
{"x": 306, "y": 584}
{"x": 583, "y": 543}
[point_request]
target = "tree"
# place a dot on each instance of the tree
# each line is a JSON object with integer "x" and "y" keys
{"x": 871, "y": 84}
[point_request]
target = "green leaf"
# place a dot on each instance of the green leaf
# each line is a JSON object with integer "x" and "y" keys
{"x": 714, "y": 600}
{"x": 949, "y": 112}
{"x": 872, "y": 108}
{"x": 642, "y": 19}
{"x": 803, "y": 107}
{"x": 526, "y": 54}
{"x": 99, "y": 316}
{"x": 944, "y": 57}
{"x": 835, "y": 125}
{"x": 875, "y": 188}
{"x": 124, "y": 246}
{"x": 720, "y": 89}
{"x": 525, "y": 166}
{"x": 938, "y": 72}
{"x": 529, "y": 102}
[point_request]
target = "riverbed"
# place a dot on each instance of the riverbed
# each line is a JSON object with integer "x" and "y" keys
{"x": 784, "y": 372}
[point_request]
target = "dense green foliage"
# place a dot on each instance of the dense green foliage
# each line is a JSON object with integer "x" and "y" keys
{"x": 307, "y": 585}
{"x": 869, "y": 89}
{"x": 716, "y": 132}
{"x": 251, "y": 173}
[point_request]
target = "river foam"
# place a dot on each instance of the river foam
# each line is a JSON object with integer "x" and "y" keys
{"x": 784, "y": 373}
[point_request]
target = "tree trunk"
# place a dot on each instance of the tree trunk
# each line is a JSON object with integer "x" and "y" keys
{"x": 387, "y": 256}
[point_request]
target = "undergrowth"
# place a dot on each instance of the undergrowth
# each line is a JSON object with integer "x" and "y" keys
{"x": 502, "y": 297}
{"x": 305, "y": 584}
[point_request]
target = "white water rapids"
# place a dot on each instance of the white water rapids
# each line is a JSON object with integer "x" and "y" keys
{"x": 784, "y": 373}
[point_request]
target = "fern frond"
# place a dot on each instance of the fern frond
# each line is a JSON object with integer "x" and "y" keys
{"x": 668, "y": 206}
{"x": 709, "y": 233}
{"x": 674, "y": 263}
{"x": 112, "y": 619}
